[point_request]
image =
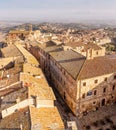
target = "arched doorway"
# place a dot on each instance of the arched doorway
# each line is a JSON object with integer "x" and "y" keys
{"x": 103, "y": 102}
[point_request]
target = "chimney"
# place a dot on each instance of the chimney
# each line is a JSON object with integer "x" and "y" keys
{"x": 89, "y": 53}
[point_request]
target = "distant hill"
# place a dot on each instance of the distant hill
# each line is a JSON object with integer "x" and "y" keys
{"x": 50, "y": 27}
{"x": 5, "y": 26}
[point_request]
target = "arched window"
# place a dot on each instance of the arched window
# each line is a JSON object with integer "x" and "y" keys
{"x": 83, "y": 96}
{"x": 95, "y": 92}
{"x": 84, "y": 84}
{"x": 96, "y": 81}
{"x": 96, "y": 52}
{"x": 113, "y": 87}
{"x": 114, "y": 76}
{"x": 104, "y": 90}
{"x": 105, "y": 79}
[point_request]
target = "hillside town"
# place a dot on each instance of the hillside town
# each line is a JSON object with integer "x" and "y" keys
{"x": 64, "y": 79}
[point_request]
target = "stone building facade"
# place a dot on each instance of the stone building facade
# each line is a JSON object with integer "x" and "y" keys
{"x": 84, "y": 83}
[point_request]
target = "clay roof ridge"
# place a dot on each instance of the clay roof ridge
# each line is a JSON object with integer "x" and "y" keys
{"x": 78, "y": 76}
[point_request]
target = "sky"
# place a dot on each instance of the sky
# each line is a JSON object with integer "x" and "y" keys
{"x": 58, "y": 10}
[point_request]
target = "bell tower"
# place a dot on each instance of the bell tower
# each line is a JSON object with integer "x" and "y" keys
{"x": 30, "y": 28}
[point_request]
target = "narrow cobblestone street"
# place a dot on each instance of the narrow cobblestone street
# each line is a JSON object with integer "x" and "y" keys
{"x": 64, "y": 110}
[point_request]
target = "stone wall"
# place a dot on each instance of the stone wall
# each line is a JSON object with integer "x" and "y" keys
{"x": 16, "y": 107}
{"x": 64, "y": 83}
{"x": 44, "y": 103}
{"x": 96, "y": 92}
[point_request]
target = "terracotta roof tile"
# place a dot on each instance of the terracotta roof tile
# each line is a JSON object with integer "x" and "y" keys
{"x": 71, "y": 61}
{"x": 14, "y": 120}
{"x": 46, "y": 118}
{"x": 10, "y": 99}
{"x": 27, "y": 68}
{"x": 86, "y": 46}
{"x": 11, "y": 51}
{"x": 98, "y": 66}
{"x": 38, "y": 87}
{"x": 18, "y": 32}
{"x": 29, "y": 57}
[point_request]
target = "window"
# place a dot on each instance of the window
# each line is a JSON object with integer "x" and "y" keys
{"x": 64, "y": 96}
{"x": 94, "y": 102}
{"x": 96, "y": 81}
{"x": 61, "y": 79}
{"x": 64, "y": 82}
{"x": 105, "y": 79}
{"x": 89, "y": 93}
{"x": 113, "y": 87}
{"x": 114, "y": 76}
{"x": 104, "y": 90}
{"x": 83, "y": 96}
{"x": 82, "y": 106}
{"x": 84, "y": 84}
{"x": 96, "y": 52}
{"x": 95, "y": 92}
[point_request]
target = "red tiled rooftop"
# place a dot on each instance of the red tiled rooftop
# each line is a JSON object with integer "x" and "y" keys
{"x": 14, "y": 120}
{"x": 46, "y": 118}
{"x": 98, "y": 66}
